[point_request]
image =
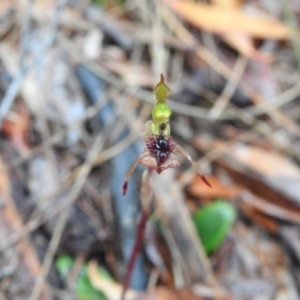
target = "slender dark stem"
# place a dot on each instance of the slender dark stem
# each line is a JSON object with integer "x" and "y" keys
{"x": 136, "y": 250}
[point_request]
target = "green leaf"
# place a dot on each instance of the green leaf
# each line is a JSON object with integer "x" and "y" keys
{"x": 83, "y": 287}
{"x": 213, "y": 222}
{"x": 64, "y": 265}
{"x": 104, "y": 3}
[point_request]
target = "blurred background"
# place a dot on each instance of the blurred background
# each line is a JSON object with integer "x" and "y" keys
{"x": 76, "y": 86}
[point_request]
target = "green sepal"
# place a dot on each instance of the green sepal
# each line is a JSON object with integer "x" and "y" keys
{"x": 161, "y": 91}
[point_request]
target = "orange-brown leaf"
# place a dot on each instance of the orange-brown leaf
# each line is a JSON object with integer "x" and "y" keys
{"x": 221, "y": 20}
{"x": 266, "y": 163}
{"x": 16, "y": 127}
{"x": 244, "y": 45}
{"x": 227, "y": 3}
{"x": 219, "y": 190}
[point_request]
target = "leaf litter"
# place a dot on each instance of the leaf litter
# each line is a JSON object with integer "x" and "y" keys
{"x": 74, "y": 73}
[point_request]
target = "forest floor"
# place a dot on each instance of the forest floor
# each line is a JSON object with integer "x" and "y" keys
{"x": 76, "y": 82}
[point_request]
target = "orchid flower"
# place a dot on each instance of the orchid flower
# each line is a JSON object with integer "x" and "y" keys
{"x": 161, "y": 148}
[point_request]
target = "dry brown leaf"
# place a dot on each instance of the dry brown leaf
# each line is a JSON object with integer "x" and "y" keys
{"x": 10, "y": 224}
{"x": 265, "y": 162}
{"x": 4, "y": 186}
{"x": 242, "y": 42}
{"x": 270, "y": 209}
{"x": 268, "y": 174}
{"x": 269, "y": 168}
{"x": 228, "y": 3}
{"x": 219, "y": 190}
{"x": 221, "y": 20}
{"x": 162, "y": 293}
{"x": 264, "y": 221}
{"x": 16, "y": 127}
{"x": 244, "y": 45}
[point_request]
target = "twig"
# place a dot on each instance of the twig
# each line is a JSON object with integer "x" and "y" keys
{"x": 284, "y": 98}
{"x": 169, "y": 201}
{"x": 216, "y": 153}
{"x": 177, "y": 265}
{"x": 105, "y": 155}
{"x": 73, "y": 195}
{"x": 141, "y": 94}
{"x": 54, "y": 139}
{"x": 25, "y": 30}
{"x": 269, "y": 208}
{"x": 16, "y": 84}
{"x": 197, "y": 112}
{"x": 158, "y": 50}
{"x": 230, "y": 87}
{"x": 59, "y": 227}
{"x": 291, "y": 20}
{"x": 189, "y": 110}
{"x": 276, "y": 115}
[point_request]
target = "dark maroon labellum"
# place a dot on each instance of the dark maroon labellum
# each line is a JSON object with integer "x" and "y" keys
{"x": 160, "y": 147}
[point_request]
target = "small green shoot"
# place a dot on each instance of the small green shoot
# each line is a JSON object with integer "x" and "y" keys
{"x": 106, "y": 3}
{"x": 102, "y": 3}
{"x": 213, "y": 222}
{"x": 64, "y": 265}
{"x": 83, "y": 287}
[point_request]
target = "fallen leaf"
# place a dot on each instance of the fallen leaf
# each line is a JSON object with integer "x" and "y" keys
{"x": 255, "y": 216}
{"x": 16, "y": 127}
{"x": 11, "y": 224}
{"x": 245, "y": 45}
{"x": 4, "y": 186}
{"x": 267, "y": 174}
{"x": 221, "y": 20}
{"x": 236, "y": 28}
{"x": 227, "y": 3}
{"x": 220, "y": 190}
{"x": 271, "y": 209}
{"x": 265, "y": 162}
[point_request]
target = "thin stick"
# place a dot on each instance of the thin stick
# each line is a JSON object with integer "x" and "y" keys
{"x": 184, "y": 109}
{"x": 230, "y": 88}
{"x": 60, "y": 225}
{"x": 277, "y": 115}
{"x": 16, "y": 84}
{"x": 81, "y": 178}
{"x": 73, "y": 195}
{"x": 103, "y": 156}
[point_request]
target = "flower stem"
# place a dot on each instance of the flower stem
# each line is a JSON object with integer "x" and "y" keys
{"x": 136, "y": 249}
